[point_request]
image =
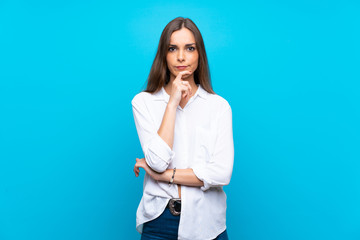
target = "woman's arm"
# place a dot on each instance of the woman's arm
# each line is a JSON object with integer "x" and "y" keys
{"x": 214, "y": 173}
{"x": 218, "y": 169}
{"x": 182, "y": 176}
{"x": 179, "y": 89}
{"x": 157, "y": 152}
{"x": 166, "y": 130}
{"x": 156, "y": 143}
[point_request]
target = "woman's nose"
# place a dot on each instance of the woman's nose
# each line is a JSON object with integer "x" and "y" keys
{"x": 180, "y": 56}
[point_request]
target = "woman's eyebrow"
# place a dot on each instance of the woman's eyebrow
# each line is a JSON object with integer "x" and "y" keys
{"x": 186, "y": 45}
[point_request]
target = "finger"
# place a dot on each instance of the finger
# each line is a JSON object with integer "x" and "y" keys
{"x": 137, "y": 171}
{"x": 181, "y": 84}
{"x": 181, "y": 74}
{"x": 183, "y": 90}
{"x": 187, "y": 86}
{"x": 187, "y": 92}
{"x": 186, "y": 95}
{"x": 185, "y": 72}
{"x": 186, "y": 83}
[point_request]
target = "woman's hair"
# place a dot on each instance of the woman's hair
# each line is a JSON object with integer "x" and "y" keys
{"x": 160, "y": 74}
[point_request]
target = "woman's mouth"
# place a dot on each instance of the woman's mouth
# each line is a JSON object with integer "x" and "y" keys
{"x": 181, "y": 67}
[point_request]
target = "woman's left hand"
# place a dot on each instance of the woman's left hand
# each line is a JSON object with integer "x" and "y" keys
{"x": 141, "y": 163}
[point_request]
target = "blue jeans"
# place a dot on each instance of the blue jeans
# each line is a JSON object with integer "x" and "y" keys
{"x": 165, "y": 227}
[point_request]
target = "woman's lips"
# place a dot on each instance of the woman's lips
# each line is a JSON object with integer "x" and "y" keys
{"x": 181, "y": 67}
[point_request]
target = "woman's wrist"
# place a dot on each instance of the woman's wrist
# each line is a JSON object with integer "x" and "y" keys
{"x": 166, "y": 176}
{"x": 172, "y": 105}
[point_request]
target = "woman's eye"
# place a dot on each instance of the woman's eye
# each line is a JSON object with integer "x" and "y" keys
{"x": 191, "y": 48}
{"x": 171, "y": 49}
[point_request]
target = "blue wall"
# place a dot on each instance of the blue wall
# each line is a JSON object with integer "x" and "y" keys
{"x": 69, "y": 69}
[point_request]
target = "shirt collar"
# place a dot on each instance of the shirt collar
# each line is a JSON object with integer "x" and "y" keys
{"x": 162, "y": 95}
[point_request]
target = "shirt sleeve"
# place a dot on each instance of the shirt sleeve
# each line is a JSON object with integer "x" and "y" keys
{"x": 157, "y": 152}
{"x": 217, "y": 171}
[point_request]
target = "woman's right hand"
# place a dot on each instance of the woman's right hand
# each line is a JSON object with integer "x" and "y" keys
{"x": 180, "y": 89}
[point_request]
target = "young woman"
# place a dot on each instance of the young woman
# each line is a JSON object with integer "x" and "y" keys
{"x": 185, "y": 131}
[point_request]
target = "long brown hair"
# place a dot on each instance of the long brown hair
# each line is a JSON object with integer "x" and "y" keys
{"x": 160, "y": 74}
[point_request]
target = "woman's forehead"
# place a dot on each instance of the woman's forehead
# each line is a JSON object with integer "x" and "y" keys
{"x": 182, "y": 37}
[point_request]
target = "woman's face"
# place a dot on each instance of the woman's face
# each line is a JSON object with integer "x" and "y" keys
{"x": 182, "y": 53}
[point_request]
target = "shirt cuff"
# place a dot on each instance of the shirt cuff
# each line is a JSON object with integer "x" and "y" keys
{"x": 200, "y": 172}
{"x": 159, "y": 154}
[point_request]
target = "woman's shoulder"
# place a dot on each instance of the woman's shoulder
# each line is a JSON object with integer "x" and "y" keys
{"x": 213, "y": 99}
{"x": 140, "y": 96}
{"x": 218, "y": 101}
{"x": 143, "y": 97}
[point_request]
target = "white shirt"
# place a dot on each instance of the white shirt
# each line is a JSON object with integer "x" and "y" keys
{"x": 203, "y": 141}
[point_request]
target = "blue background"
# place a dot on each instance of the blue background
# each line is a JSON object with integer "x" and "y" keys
{"x": 69, "y": 69}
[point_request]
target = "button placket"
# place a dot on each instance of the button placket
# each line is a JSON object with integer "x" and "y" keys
{"x": 185, "y": 137}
